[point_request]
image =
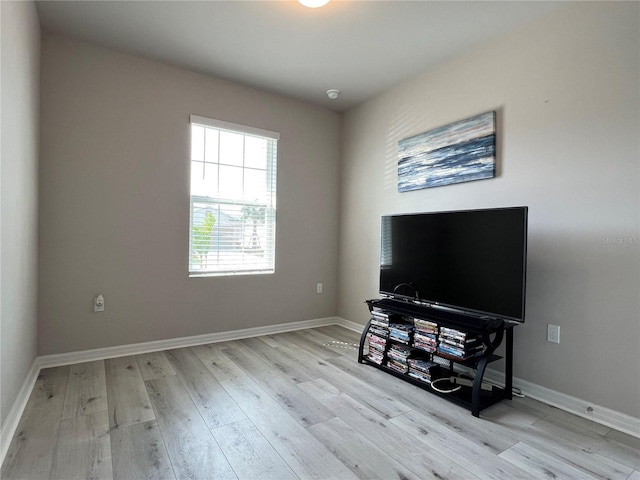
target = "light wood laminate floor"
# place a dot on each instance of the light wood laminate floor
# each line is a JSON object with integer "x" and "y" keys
{"x": 290, "y": 406}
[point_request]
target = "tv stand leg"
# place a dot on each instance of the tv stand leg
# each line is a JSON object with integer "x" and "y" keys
{"x": 363, "y": 338}
{"x": 508, "y": 368}
{"x": 477, "y": 387}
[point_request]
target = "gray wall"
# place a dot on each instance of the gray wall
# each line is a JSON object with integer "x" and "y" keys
{"x": 114, "y": 203}
{"x": 566, "y": 91}
{"x": 19, "y": 196}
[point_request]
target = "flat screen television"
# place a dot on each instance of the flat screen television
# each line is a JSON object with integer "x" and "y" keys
{"x": 473, "y": 262}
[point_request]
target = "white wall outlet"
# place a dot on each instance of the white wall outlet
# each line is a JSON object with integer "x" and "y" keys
{"x": 319, "y": 288}
{"x": 98, "y": 304}
{"x": 553, "y": 333}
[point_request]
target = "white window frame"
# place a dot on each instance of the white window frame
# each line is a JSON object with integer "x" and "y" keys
{"x": 269, "y": 205}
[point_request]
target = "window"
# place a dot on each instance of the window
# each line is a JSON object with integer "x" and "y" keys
{"x": 233, "y": 199}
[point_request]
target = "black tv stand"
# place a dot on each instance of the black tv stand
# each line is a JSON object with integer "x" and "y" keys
{"x": 489, "y": 333}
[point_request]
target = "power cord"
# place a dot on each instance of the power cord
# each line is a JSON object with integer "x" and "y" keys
{"x": 454, "y": 389}
{"x": 517, "y": 392}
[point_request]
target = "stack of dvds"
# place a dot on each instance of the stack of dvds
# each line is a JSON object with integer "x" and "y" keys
{"x": 379, "y": 324}
{"x": 397, "y": 357}
{"x": 460, "y": 345}
{"x": 421, "y": 369}
{"x": 378, "y": 333}
{"x": 400, "y": 332}
{"x": 376, "y": 349}
{"x": 425, "y": 336}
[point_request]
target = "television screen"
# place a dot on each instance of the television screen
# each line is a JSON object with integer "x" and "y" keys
{"x": 472, "y": 261}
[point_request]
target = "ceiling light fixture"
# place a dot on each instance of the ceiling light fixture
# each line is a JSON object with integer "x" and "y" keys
{"x": 333, "y": 93}
{"x": 313, "y": 3}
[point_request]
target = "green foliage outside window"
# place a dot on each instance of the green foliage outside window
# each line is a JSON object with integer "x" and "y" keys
{"x": 201, "y": 238}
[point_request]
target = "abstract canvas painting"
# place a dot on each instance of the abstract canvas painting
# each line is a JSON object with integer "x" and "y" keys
{"x": 458, "y": 152}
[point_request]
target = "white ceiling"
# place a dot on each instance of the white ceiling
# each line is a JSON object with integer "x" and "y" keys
{"x": 358, "y": 47}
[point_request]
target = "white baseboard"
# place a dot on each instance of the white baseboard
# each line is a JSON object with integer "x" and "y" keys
{"x": 57, "y": 360}
{"x": 599, "y": 414}
{"x": 13, "y": 417}
{"x": 348, "y": 324}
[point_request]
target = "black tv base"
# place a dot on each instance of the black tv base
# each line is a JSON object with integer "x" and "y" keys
{"x": 489, "y": 334}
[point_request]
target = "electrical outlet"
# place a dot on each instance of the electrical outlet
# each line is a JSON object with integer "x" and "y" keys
{"x": 98, "y": 304}
{"x": 319, "y": 288}
{"x": 553, "y": 333}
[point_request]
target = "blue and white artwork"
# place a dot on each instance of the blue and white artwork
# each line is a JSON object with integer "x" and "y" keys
{"x": 458, "y": 152}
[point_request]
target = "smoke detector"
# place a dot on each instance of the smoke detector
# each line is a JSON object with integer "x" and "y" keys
{"x": 333, "y": 93}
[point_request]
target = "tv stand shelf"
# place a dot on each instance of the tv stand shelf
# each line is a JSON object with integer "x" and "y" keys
{"x": 488, "y": 333}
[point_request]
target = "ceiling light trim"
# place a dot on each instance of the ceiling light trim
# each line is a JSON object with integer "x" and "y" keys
{"x": 313, "y": 3}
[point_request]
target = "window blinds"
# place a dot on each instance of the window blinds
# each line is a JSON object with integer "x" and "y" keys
{"x": 233, "y": 198}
